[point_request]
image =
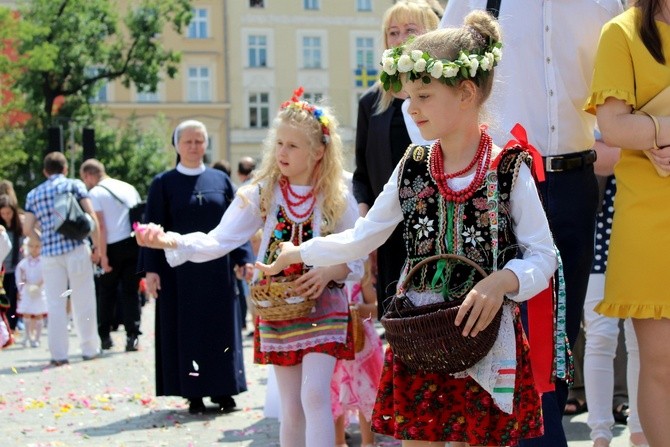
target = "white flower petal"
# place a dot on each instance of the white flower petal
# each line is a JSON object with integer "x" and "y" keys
{"x": 416, "y": 55}
{"x": 436, "y": 69}
{"x": 420, "y": 66}
{"x": 405, "y": 63}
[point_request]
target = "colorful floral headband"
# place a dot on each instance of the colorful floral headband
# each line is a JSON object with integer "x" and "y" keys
{"x": 419, "y": 65}
{"x": 316, "y": 112}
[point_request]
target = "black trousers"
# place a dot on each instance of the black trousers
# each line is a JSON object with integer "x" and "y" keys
{"x": 9, "y": 284}
{"x": 570, "y": 199}
{"x": 120, "y": 285}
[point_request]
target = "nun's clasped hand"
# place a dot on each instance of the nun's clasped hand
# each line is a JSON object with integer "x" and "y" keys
{"x": 152, "y": 235}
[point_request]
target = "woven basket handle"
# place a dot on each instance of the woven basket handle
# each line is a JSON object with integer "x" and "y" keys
{"x": 425, "y": 261}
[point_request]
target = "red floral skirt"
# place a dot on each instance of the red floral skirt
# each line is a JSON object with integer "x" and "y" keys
{"x": 344, "y": 351}
{"x": 437, "y": 407}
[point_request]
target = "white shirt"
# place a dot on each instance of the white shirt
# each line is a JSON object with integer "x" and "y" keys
{"x": 115, "y": 213}
{"x": 529, "y": 225}
{"x": 543, "y": 80}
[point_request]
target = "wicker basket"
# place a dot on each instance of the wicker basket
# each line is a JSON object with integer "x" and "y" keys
{"x": 274, "y": 300}
{"x": 357, "y": 325}
{"x": 425, "y": 337}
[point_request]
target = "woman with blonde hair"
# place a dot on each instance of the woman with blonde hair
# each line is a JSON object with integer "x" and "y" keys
{"x": 382, "y": 137}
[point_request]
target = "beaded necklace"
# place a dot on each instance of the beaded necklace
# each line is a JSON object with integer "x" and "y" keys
{"x": 481, "y": 160}
{"x": 294, "y": 200}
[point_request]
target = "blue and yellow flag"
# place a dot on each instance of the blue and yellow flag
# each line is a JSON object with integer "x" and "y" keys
{"x": 365, "y": 77}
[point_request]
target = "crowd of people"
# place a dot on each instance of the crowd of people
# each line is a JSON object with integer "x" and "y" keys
{"x": 314, "y": 259}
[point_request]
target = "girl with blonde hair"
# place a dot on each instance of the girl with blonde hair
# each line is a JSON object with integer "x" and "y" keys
{"x": 461, "y": 195}
{"x": 297, "y": 193}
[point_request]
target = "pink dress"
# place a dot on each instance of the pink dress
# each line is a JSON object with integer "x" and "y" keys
{"x": 354, "y": 384}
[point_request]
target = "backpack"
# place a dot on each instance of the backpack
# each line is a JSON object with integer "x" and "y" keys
{"x": 135, "y": 212}
{"x": 71, "y": 221}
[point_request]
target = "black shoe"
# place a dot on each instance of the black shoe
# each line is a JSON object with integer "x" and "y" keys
{"x": 621, "y": 414}
{"x": 59, "y": 362}
{"x": 226, "y": 403}
{"x": 88, "y": 358}
{"x": 196, "y": 406}
{"x": 132, "y": 343}
{"x": 106, "y": 343}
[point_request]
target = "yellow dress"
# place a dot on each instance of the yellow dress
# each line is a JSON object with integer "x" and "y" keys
{"x": 636, "y": 282}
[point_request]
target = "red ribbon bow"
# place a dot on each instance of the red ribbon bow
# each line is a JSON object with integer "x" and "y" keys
{"x": 521, "y": 140}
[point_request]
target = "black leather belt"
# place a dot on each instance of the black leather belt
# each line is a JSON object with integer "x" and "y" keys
{"x": 567, "y": 162}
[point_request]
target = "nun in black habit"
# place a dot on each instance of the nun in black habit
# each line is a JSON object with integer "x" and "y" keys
{"x": 198, "y": 333}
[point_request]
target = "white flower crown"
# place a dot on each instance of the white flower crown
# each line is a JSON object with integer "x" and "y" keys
{"x": 419, "y": 65}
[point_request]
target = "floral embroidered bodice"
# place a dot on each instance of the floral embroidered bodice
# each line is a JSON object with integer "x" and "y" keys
{"x": 479, "y": 229}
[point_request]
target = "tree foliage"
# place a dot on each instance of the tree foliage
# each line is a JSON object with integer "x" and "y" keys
{"x": 135, "y": 153}
{"x": 67, "y": 50}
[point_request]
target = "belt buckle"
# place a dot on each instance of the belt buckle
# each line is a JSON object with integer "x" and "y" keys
{"x": 548, "y": 166}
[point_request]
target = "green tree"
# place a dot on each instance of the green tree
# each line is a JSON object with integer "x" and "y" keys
{"x": 135, "y": 153}
{"x": 11, "y": 134}
{"x": 70, "y": 49}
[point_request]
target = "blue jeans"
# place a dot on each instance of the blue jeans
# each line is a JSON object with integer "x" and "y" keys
{"x": 570, "y": 199}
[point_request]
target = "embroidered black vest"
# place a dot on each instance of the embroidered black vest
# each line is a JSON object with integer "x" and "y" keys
{"x": 432, "y": 225}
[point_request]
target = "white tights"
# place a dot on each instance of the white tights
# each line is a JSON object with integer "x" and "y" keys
{"x": 304, "y": 395}
{"x": 602, "y": 334}
{"x": 34, "y": 325}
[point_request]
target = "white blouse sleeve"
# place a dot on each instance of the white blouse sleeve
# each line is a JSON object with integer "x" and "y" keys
{"x": 348, "y": 220}
{"x": 240, "y": 221}
{"x": 5, "y": 245}
{"x": 368, "y": 233}
{"x": 529, "y": 222}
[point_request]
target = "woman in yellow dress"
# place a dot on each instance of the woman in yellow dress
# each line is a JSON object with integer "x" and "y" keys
{"x": 632, "y": 67}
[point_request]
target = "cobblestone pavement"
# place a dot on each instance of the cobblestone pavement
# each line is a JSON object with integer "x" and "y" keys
{"x": 110, "y": 401}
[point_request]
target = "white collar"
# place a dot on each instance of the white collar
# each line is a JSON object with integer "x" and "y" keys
{"x": 190, "y": 171}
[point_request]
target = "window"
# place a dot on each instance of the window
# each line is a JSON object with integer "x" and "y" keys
{"x": 311, "y": 52}
{"x": 102, "y": 95}
{"x": 199, "y": 27}
{"x": 312, "y": 97}
{"x": 209, "y": 150}
{"x": 199, "y": 84}
{"x": 311, "y": 4}
{"x": 365, "y": 52}
{"x": 259, "y": 110}
{"x": 146, "y": 96}
{"x": 101, "y": 88}
{"x": 258, "y": 51}
{"x": 363, "y": 5}
{"x": 256, "y": 4}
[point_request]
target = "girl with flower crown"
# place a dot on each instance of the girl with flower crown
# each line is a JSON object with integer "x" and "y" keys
{"x": 461, "y": 195}
{"x": 298, "y": 193}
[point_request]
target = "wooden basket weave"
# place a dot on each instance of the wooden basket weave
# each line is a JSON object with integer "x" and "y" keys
{"x": 273, "y": 299}
{"x": 425, "y": 337}
{"x": 359, "y": 331}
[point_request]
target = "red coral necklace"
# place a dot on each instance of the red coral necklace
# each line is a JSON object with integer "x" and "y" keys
{"x": 481, "y": 160}
{"x": 294, "y": 200}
